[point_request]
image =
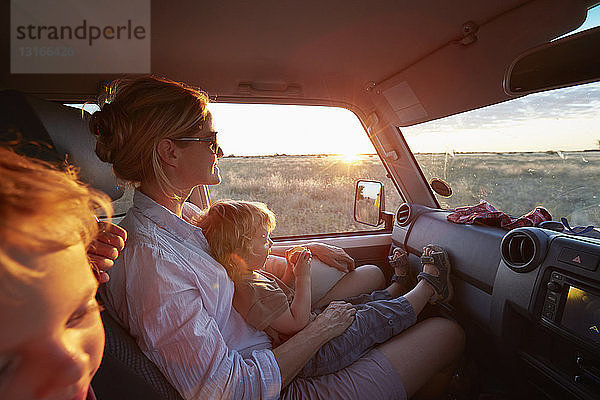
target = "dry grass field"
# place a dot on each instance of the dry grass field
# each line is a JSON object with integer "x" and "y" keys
{"x": 311, "y": 194}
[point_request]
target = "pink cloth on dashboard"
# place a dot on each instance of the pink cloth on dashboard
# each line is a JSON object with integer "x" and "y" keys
{"x": 486, "y": 214}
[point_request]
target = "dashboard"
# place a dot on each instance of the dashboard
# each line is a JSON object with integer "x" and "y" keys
{"x": 533, "y": 293}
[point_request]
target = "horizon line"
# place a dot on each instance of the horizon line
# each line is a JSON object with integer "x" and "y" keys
{"x": 417, "y": 153}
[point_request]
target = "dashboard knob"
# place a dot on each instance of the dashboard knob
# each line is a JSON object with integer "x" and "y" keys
{"x": 553, "y": 286}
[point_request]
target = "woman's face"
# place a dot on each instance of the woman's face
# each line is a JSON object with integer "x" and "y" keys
{"x": 199, "y": 164}
{"x": 52, "y": 339}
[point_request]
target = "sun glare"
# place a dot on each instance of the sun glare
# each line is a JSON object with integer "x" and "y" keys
{"x": 350, "y": 158}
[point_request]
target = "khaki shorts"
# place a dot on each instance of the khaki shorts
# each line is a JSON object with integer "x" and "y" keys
{"x": 371, "y": 377}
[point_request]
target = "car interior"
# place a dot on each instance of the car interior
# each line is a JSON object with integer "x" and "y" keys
{"x": 394, "y": 65}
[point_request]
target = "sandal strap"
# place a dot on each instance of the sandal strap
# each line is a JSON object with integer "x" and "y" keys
{"x": 436, "y": 283}
{"x": 400, "y": 279}
{"x": 400, "y": 261}
{"x": 441, "y": 284}
{"x": 427, "y": 260}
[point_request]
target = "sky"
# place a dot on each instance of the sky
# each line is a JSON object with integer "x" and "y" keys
{"x": 259, "y": 129}
{"x": 560, "y": 120}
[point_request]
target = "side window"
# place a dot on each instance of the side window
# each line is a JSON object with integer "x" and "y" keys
{"x": 302, "y": 161}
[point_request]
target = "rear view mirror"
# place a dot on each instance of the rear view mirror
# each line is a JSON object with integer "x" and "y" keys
{"x": 564, "y": 62}
{"x": 369, "y": 201}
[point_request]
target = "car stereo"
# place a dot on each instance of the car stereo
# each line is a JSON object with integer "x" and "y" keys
{"x": 573, "y": 307}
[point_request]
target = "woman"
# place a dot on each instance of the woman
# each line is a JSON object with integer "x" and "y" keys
{"x": 177, "y": 301}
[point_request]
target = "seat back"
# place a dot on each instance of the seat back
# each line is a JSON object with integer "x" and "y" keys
{"x": 125, "y": 373}
{"x": 53, "y": 132}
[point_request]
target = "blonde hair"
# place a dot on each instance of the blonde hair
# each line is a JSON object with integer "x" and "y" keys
{"x": 229, "y": 227}
{"x": 42, "y": 210}
{"x": 136, "y": 115}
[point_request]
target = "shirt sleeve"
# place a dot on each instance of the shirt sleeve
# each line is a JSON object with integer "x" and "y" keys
{"x": 176, "y": 332}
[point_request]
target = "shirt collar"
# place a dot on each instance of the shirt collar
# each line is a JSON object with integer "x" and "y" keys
{"x": 163, "y": 217}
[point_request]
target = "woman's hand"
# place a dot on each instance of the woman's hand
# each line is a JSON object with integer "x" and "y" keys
{"x": 336, "y": 318}
{"x": 105, "y": 248}
{"x": 293, "y": 354}
{"x": 333, "y": 256}
{"x": 302, "y": 266}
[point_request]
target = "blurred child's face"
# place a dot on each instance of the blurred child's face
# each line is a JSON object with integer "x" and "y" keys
{"x": 260, "y": 246}
{"x": 52, "y": 339}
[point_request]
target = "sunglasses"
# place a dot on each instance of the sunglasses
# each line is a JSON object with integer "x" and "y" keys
{"x": 212, "y": 139}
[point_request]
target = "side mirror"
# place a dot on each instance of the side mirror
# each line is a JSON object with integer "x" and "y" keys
{"x": 369, "y": 201}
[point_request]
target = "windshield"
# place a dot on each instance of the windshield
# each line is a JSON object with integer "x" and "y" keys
{"x": 539, "y": 150}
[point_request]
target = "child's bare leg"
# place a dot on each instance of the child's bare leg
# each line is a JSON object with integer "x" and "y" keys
{"x": 425, "y": 291}
{"x": 420, "y": 295}
{"x": 363, "y": 279}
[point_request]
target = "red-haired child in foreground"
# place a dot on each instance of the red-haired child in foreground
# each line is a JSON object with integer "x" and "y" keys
{"x": 52, "y": 339}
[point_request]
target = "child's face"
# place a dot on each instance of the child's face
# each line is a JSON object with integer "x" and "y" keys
{"x": 52, "y": 339}
{"x": 260, "y": 245}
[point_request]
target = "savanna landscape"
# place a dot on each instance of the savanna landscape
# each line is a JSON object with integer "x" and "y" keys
{"x": 315, "y": 193}
{"x": 312, "y": 194}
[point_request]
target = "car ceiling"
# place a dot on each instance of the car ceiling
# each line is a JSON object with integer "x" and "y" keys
{"x": 402, "y": 59}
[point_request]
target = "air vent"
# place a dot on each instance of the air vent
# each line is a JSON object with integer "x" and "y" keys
{"x": 519, "y": 251}
{"x": 403, "y": 214}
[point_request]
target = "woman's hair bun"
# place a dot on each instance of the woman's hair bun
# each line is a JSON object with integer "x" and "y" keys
{"x": 105, "y": 124}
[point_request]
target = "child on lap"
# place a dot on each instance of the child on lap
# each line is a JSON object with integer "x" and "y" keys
{"x": 238, "y": 234}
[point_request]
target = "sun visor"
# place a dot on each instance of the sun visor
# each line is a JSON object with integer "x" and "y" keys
{"x": 399, "y": 103}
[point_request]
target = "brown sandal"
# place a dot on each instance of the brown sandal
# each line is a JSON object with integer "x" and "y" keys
{"x": 441, "y": 284}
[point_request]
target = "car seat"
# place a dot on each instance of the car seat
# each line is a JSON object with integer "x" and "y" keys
{"x": 55, "y": 133}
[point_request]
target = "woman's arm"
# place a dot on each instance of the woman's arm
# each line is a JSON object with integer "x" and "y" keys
{"x": 292, "y": 355}
{"x": 333, "y": 256}
{"x": 297, "y": 315}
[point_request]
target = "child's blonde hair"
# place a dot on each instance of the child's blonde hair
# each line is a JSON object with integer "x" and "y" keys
{"x": 42, "y": 210}
{"x": 229, "y": 227}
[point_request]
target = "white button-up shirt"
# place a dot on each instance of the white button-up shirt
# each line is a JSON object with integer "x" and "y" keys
{"x": 176, "y": 300}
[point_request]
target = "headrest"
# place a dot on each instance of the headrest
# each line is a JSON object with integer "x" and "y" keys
{"x": 54, "y": 132}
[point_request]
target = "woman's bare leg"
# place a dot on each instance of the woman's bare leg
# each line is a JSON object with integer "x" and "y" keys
{"x": 363, "y": 279}
{"x": 424, "y": 350}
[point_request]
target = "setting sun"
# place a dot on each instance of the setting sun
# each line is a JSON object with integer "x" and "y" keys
{"x": 350, "y": 158}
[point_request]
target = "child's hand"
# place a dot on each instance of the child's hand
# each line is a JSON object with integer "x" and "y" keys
{"x": 302, "y": 266}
